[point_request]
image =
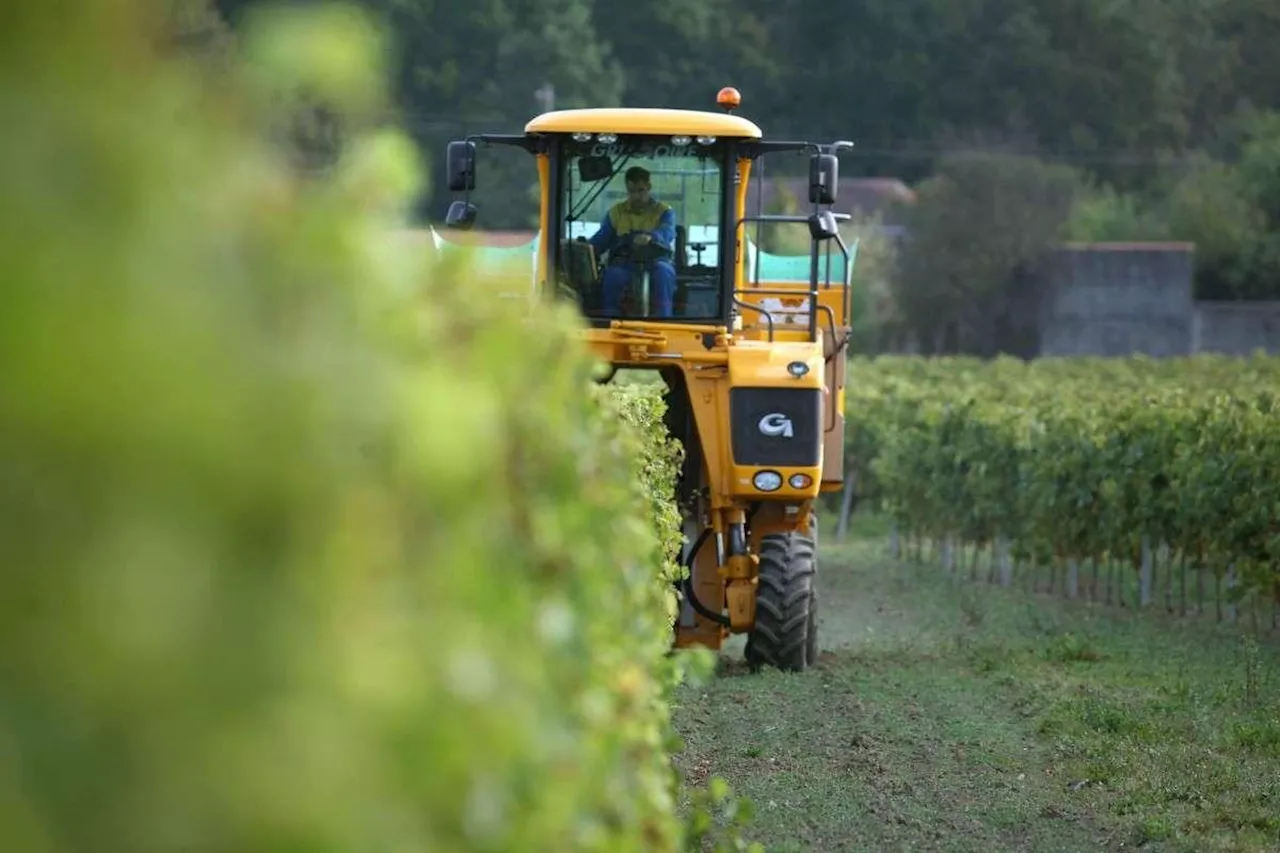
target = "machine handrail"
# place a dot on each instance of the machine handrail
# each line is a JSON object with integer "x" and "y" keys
{"x": 767, "y": 316}
{"x": 770, "y": 291}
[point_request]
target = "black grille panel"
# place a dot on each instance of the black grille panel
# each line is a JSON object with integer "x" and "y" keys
{"x": 800, "y": 408}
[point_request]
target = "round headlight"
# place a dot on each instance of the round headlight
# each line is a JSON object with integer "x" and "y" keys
{"x": 800, "y": 481}
{"x": 680, "y": 141}
{"x": 581, "y": 137}
{"x": 767, "y": 481}
{"x": 797, "y": 369}
{"x": 706, "y": 140}
{"x": 608, "y": 138}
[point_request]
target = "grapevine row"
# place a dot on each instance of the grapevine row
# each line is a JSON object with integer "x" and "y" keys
{"x": 309, "y": 543}
{"x": 1073, "y": 460}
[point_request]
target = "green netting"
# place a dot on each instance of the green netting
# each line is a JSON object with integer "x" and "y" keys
{"x": 770, "y": 267}
{"x": 795, "y": 267}
{"x": 492, "y": 257}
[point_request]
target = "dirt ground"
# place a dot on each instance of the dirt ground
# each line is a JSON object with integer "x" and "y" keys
{"x": 950, "y": 716}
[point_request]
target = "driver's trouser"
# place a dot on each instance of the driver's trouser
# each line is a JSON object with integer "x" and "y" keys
{"x": 662, "y": 286}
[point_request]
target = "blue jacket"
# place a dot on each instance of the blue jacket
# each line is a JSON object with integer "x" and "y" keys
{"x": 657, "y": 220}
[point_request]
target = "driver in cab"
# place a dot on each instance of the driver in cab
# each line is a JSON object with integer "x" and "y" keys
{"x": 638, "y": 229}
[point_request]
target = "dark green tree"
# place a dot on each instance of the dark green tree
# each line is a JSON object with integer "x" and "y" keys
{"x": 980, "y": 229}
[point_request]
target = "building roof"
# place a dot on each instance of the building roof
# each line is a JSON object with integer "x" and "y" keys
{"x": 644, "y": 120}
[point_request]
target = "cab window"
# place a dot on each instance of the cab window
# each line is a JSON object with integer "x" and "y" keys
{"x": 605, "y": 269}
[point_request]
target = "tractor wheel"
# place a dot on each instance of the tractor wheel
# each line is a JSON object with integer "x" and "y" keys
{"x": 785, "y": 633}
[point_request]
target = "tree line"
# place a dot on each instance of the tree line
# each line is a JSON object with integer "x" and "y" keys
{"x": 1019, "y": 122}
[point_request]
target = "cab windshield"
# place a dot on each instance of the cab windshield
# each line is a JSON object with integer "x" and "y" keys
{"x": 641, "y": 227}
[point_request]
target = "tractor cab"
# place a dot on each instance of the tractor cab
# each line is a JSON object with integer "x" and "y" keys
{"x": 691, "y": 177}
{"x": 698, "y": 166}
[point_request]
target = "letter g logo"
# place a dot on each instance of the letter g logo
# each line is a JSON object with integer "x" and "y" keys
{"x": 775, "y": 425}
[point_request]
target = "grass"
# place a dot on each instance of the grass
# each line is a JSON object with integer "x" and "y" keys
{"x": 950, "y": 716}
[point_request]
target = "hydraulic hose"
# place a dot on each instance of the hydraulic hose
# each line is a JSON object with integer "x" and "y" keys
{"x": 687, "y": 584}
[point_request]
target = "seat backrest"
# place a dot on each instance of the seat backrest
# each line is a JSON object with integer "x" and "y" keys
{"x": 579, "y": 260}
{"x": 682, "y": 254}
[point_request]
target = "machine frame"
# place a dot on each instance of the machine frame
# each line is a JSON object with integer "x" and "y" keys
{"x": 755, "y": 394}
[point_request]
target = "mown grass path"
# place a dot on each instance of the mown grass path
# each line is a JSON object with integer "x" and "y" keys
{"x": 947, "y": 716}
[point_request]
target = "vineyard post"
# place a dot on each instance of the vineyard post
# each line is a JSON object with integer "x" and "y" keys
{"x": 895, "y": 542}
{"x": 846, "y": 503}
{"x": 1231, "y": 611}
{"x": 1183, "y": 567}
{"x": 1164, "y": 557}
{"x": 1217, "y": 596}
{"x": 1144, "y": 573}
{"x": 1005, "y": 559}
{"x": 1073, "y": 577}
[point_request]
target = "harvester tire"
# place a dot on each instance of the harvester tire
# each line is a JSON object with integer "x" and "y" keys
{"x": 785, "y": 633}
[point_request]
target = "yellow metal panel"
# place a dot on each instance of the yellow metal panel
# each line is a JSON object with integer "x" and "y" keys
{"x": 759, "y": 364}
{"x": 634, "y": 120}
{"x": 544, "y": 213}
{"x": 709, "y": 375}
{"x": 788, "y": 319}
{"x": 739, "y": 265}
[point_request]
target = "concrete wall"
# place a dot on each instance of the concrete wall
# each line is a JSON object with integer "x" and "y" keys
{"x": 1115, "y": 299}
{"x": 1236, "y": 328}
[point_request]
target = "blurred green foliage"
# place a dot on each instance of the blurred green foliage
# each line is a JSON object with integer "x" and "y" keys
{"x": 309, "y": 542}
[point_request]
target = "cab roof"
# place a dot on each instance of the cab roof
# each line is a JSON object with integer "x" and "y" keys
{"x": 644, "y": 120}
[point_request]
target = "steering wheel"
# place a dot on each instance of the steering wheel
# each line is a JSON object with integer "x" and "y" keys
{"x": 630, "y": 252}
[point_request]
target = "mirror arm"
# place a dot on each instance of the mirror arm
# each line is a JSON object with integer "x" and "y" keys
{"x": 759, "y": 147}
{"x": 534, "y": 144}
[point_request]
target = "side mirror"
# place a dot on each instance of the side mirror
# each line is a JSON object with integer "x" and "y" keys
{"x": 824, "y": 177}
{"x": 461, "y": 215}
{"x": 594, "y": 168}
{"x": 823, "y": 225}
{"x": 460, "y": 161}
